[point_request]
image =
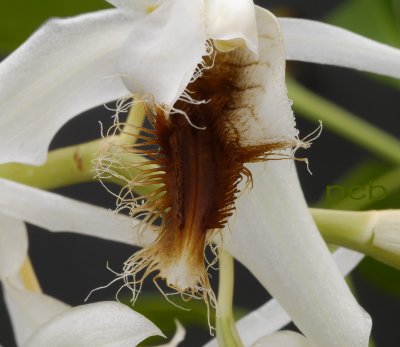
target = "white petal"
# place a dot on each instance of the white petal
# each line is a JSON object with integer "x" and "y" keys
{"x": 13, "y": 245}
{"x": 164, "y": 50}
{"x": 321, "y": 43}
{"x": 283, "y": 339}
{"x": 275, "y": 237}
{"x": 229, "y": 20}
{"x": 103, "y": 324}
{"x": 28, "y": 310}
{"x": 57, "y": 213}
{"x": 65, "y": 68}
{"x": 271, "y": 317}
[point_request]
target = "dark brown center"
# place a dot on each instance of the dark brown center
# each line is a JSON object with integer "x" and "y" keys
{"x": 199, "y": 171}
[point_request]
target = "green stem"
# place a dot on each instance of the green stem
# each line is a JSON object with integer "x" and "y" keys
{"x": 68, "y": 166}
{"x": 227, "y": 334}
{"x": 74, "y": 164}
{"x": 344, "y": 228}
{"x": 355, "y": 230}
{"x": 133, "y": 123}
{"x": 346, "y": 124}
{"x": 65, "y": 166}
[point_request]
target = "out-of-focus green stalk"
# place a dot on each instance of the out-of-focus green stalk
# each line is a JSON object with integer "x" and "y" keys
{"x": 389, "y": 181}
{"x": 227, "y": 334}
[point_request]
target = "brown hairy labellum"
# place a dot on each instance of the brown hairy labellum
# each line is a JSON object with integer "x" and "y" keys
{"x": 198, "y": 158}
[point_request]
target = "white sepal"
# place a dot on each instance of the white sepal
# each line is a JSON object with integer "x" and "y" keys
{"x": 28, "y": 310}
{"x": 317, "y": 42}
{"x": 57, "y": 213}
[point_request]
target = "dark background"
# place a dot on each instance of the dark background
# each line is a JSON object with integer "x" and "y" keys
{"x": 69, "y": 265}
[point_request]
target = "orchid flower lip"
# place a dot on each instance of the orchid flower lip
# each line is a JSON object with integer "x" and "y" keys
{"x": 251, "y": 130}
{"x": 199, "y": 168}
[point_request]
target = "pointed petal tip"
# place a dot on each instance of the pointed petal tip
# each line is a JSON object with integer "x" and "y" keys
{"x": 178, "y": 337}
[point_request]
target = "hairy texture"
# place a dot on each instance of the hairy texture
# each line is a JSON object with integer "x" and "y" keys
{"x": 198, "y": 157}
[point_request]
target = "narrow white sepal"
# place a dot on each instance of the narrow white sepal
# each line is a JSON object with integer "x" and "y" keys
{"x": 103, "y": 324}
{"x": 229, "y": 20}
{"x": 271, "y": 317}
{"x": 28, "y": 311}
{"x": 284, "y": 338}
{"x": 316, "y": 42}
{"x": 275, "y": 237}
{"x": 13, "y": 245}
{"x": 179, "y": 336}
{"x": 68, "y": 66}
{"x": 57, "y": 213}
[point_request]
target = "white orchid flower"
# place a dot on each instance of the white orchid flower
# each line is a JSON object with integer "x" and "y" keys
{"x": 42, "y": 321}
{"x": 71, "y": 65}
